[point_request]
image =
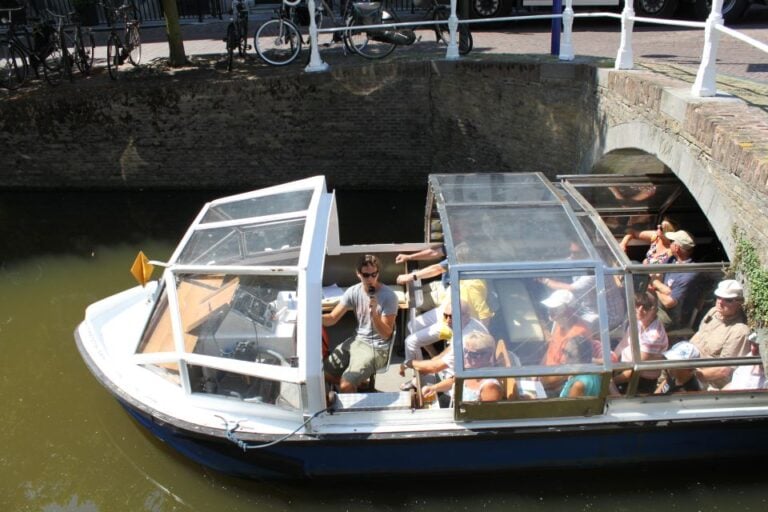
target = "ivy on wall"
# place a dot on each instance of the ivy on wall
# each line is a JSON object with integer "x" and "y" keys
{"x": 747, "y": 263}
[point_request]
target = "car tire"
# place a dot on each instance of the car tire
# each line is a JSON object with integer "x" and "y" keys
{"x": 656, "y": 8}
{"x": 732, "y": 11}
{"x": 486, "y": 8}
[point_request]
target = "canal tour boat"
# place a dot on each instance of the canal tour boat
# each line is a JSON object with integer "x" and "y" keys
{"x": 221, "y": 357}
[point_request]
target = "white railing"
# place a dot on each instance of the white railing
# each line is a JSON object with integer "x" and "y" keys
{"x": 704, "y": 84}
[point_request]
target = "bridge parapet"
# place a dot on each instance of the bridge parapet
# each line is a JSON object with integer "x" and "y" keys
{"x": 718, "y": 146}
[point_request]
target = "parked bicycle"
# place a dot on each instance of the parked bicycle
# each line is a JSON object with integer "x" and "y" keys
{"x": 21, "y": 51}
{"x": 237, "y": 32}
{"x": 438, "y": 11}
{"x": 279, "y": 41}
{"x": 374, "y": 43}
{"x": 77, "y": 43}
{"x": 129, "y": 47}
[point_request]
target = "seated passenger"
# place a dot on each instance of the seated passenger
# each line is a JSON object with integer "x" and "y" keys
{"x": 752, "y": 376}
{"x": 375, "y": 306}
{"x": 425, "y": 329}
{"x": 659, "y": 250}
{"x": 578, "y": 350}
{"x": 566, "y": 324}
{"x": 653, "y": 342}
{"x": 723, "y": 332}
{"x": 480, "y": 352}
{"x": 680, "y": 379}
{"x": 583, "y": 289}
{"x": 444, "y": 360}
{"x": 672, "y": 288}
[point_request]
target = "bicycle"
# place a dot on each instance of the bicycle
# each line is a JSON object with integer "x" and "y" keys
{"x": 77, "y": 43}
{"x": 237, "y": 32}
{"x": 441, "y": 12}
{"x": 278, "y": 41}
{"x": 36, "y": 50}
{"x": 117, "y": 51}
{"x": 379, "y": 43}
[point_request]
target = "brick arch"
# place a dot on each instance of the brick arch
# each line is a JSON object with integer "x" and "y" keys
{"x": 715, "y": 146}
{"x": 682, "y": 158}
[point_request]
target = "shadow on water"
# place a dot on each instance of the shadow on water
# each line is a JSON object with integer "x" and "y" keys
{"x": 74, "y": 223}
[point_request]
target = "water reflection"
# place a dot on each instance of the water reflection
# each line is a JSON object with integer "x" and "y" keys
{"x": 66, "y": 444}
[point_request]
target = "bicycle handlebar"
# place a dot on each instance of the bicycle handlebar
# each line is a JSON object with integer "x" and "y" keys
{"x": 9, "y": 10}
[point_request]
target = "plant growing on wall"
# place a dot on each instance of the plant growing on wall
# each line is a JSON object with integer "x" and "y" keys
{"x": 747, "y": 263}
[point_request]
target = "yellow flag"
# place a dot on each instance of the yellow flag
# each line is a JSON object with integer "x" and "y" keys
{"x": 142, "y": 268}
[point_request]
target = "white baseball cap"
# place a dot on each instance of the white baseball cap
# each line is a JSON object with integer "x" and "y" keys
{"x": 681, "y": 351}
{"x": 729, "y": 289}
{"x": 559, "y": 298}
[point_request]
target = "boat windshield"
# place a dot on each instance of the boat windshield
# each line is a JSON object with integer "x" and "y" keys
{"x": 230, "y": 309}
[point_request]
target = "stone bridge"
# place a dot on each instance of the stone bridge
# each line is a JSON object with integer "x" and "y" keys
{"x": 387, "y": 125}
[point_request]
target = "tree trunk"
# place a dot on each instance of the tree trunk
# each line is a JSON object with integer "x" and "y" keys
{"x": 177, "y": 57}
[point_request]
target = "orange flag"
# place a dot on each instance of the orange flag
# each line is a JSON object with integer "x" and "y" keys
{"x": 142, "y": 268}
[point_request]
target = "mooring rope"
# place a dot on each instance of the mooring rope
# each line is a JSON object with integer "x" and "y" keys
{"x": 245, "y": 446}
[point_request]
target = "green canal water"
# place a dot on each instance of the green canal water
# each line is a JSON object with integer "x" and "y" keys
{"x": 66, "y": 445}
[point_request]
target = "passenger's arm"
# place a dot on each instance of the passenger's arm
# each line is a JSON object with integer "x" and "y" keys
{"x": 440, "y": 387}
{"x": 430, "y": 253}
{"x": 384, "y": 324}
{"x": 422, "y": 273}
{"x": 490, "y": 391}
{"x": 334, "y": 316}
{"x": 663, "y": 293}
{"x": 430, "y": 366}
{"x": 578, "y": 388}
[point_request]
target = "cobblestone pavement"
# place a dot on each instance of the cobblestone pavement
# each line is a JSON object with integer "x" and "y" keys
{"x": 742, "y": 69}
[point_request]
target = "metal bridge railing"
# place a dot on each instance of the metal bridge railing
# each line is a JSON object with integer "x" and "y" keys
{"x": 704, "y": 85}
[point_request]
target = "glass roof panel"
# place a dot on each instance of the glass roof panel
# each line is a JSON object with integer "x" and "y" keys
{"x": 494, "y": 188}
{"x": 496, "y": 234}
{"x": 285, "y": 202}
{"x": 274, "y": 243}
{"x": 637, "y": 194}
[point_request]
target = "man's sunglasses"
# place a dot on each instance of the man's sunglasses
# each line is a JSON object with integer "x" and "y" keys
{"x": 367, "y": 275}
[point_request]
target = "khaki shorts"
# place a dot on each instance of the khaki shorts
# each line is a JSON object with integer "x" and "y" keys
{"x": 355, "y": 360}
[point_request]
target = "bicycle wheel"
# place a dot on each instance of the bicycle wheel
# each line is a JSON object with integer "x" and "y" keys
{"x": 113, "y": 55}
{"x": 324, "y": 19}
{"x": 67, "y": 61}
{"x": 53, "y": 63}
{"x": 231, "y": 44}
{"x": 360, "y": 42}
{"x": 242, "y": 38}
{"x": 134, "y": 44}
{"x": 13, "y": 67}
{"x": 277, "y": 42}
{"x": 442, "y": 34}
{"x": 85, "y": 46}
{"x": 466, "y": 41}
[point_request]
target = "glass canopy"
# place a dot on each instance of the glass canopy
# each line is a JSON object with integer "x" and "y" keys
{"x": 237, "y": 290}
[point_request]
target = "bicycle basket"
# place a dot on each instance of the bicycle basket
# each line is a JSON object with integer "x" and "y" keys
{"x": 367, "y": 13}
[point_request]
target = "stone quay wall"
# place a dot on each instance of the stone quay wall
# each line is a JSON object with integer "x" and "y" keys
{"x": 385, "y": 125}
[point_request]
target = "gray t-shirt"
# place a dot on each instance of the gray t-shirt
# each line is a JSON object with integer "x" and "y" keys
{"x": 356, "y": 299}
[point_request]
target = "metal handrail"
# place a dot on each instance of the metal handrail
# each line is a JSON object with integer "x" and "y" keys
{"x": 703, "y": 86}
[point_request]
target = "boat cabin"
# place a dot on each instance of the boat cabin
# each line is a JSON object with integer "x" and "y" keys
{"x": 235, "y": 321}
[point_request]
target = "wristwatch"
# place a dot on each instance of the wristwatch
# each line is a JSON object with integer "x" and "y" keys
{"x": 415, "y": 278}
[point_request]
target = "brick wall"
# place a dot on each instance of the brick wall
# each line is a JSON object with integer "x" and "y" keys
{"x": 385, "y": 125}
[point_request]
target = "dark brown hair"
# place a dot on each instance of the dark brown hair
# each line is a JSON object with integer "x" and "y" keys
{"x": 646, "y": 300}
{"x": 366, "y": 260}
